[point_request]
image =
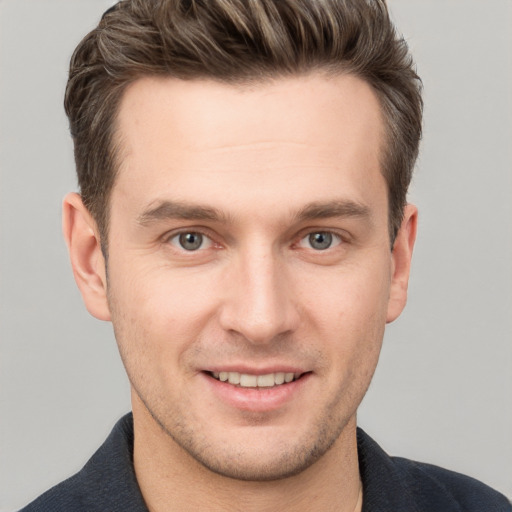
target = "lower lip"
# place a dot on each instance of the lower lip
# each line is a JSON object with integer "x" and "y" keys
{"x": 256, "y": 399}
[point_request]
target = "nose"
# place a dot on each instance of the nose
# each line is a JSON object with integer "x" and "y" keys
{"x": 258, "y": 298}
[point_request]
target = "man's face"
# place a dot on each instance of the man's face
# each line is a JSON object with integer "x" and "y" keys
{"x": 249, "y": 242}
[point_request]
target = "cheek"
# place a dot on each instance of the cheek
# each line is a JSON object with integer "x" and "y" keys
{"x": 159, "y": 294}
{"x": 347, "y": 311}
{"x": 157, "y": 315}
{"x": 349, "y": 297}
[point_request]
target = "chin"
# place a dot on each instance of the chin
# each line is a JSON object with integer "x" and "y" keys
{"x": 262, "y": 456}
{"x": 256, "y": 467}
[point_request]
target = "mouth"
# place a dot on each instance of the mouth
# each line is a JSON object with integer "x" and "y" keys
{"x": 246, "y": 380}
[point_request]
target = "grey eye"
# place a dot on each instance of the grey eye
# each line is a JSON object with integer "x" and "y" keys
{"x": 320, "y": 241}
{"x": 190, "y": 241}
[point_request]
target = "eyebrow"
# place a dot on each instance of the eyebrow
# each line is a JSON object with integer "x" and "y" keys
{"x": 332, "y": 209}
{"x": 179, "y": 210}
{"x": 164, "y": 210}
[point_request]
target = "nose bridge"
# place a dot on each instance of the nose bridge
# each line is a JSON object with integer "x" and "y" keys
{"x": 259, "y": 305}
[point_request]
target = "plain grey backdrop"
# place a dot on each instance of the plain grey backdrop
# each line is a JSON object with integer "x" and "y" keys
{"x": 443, "y": 389}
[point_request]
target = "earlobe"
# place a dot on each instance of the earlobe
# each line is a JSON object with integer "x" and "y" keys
{"x": 83, "y": 241}
{"x": 401, "y": 263}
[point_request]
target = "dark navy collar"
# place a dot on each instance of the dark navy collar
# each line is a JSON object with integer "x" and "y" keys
{"x": 390, "y": 484}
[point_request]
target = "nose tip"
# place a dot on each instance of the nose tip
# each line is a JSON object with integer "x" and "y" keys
{"x": 259, "y": 304}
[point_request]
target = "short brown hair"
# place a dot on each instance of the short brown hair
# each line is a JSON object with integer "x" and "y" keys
{"x": 235, "y": 41}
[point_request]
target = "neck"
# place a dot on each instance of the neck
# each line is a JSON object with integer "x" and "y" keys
{"x": 166, "y": 475}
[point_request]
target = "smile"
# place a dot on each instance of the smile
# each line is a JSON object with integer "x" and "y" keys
{"x": 246, "y": 380}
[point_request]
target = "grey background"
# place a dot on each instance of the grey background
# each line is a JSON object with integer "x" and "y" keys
{"x": 443, "y": 390}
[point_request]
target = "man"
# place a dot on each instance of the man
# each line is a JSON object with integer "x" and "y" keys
{"x": 243, "y": 223}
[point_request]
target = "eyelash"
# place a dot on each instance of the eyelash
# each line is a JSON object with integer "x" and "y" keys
{"x": 335, "y": 240}
{"x": 176, "y": 236}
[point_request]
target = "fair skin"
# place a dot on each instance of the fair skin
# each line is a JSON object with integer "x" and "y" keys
{"x": 248, "y": 239}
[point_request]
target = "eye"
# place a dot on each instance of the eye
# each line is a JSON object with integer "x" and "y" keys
{"x": 320, "y": 240}
{"x": 190, "y": 241}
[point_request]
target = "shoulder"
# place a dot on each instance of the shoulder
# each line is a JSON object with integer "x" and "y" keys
{"x": 106, "y": 482}
{"x": 398, "y": 484}
{"x": 68, "y": 495}
{"x": 436, "y": 486}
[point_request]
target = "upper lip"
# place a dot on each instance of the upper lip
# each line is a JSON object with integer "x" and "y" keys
{"x": 253, "y": 370}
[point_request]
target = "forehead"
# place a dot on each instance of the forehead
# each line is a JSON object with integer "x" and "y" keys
{"x": 314, "y": 104}
{"x": 297, "y": 136}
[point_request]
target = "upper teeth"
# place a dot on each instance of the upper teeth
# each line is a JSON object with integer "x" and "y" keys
{"x": 246, "y": 380}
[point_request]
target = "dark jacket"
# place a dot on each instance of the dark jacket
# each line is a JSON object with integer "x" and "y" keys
{"x": 390, "y": 484}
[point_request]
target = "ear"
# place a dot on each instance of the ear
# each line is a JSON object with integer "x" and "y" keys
{"x": 83, "y": 241}
{"x": 401, "y": 262}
